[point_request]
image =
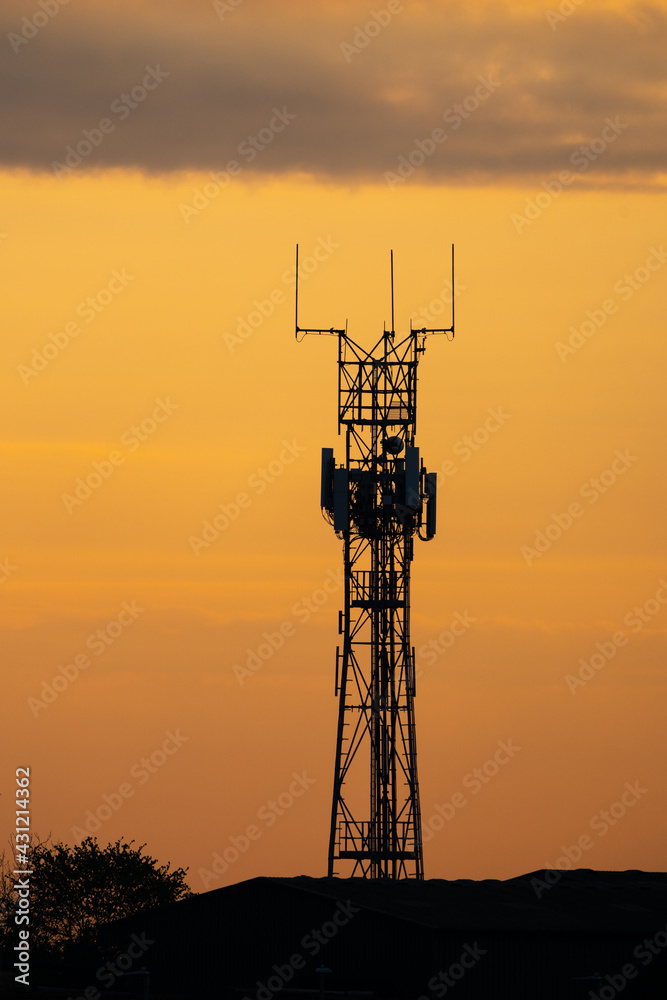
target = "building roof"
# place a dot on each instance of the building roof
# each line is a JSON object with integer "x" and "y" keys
{"x": 581, "y": 900}
{"x": 542, "y": 934}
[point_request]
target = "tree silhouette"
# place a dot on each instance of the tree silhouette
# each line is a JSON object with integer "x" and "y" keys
{"x": 76, "y": 890}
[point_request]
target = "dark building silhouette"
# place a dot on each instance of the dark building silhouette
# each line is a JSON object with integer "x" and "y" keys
{"x": 548, "y": 934}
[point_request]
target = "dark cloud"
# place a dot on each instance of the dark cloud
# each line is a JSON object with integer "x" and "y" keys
{"x": 549, "y": 88}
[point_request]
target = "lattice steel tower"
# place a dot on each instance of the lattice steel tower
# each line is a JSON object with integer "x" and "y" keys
{"x": 377, "y": 502}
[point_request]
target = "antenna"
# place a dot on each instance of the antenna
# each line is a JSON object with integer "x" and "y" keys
{"x": 391, "y": 252}
{"x": 453, "y": 290}
{"x": 296, "y": 296}
{"x": 448, "y": 329}
{"x": 302, "y": 329}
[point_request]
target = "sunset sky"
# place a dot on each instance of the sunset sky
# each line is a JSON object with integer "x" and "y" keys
{"x": 160, "y": 160}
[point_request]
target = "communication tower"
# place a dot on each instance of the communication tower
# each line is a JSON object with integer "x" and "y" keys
{"x": 377, "y": 501}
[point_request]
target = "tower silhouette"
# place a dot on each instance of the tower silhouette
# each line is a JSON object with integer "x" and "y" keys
{"x": 377, "y": 501}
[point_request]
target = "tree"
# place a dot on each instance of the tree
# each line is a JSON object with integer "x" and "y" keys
{"x": 76, "y": 890}
{"x": 7, "y": 904}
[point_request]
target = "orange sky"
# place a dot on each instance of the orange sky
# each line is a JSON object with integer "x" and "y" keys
{"x": 147, "y": 388}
